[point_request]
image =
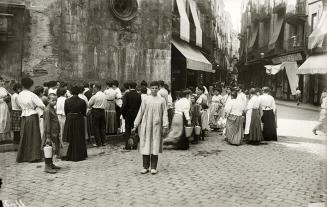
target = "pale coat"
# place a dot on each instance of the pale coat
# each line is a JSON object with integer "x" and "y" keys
{"x": 150, "y": 120}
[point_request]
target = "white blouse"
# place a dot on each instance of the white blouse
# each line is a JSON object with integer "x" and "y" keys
{"x": 14, "y": 104}
{"x": 28, "y": 102}
{"x": 183, "y": 105}
{"x": 234, "y": 107}
{"x": 61, "y": 105}
{"x": 267, "y": 102}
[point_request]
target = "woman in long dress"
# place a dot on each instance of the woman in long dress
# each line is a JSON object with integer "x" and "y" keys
{"x": 110, "y": 111}
{"x": 39, "y": 91}
{"x": 215, "y": 108}
{"x": 253, "y": 123}
{"x": 268, "y": 108}
{"x": 195, "y": 116}
{"x": 29, "y": 149}
{"x": 234, "y": 124}
{"x": 176, "y": 136}
{"x": 74, "y": 131}
{"x": 5, "y": 118}
{"x": 203, "y": 102}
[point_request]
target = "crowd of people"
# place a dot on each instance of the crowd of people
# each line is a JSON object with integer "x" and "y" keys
{"x": 68, "y": 118}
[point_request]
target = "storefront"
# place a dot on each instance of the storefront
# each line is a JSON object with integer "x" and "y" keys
{"x": 189, "y": 66}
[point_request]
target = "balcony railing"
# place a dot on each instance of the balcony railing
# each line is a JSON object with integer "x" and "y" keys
{"x": 294, "y": 43}
{"x": 297, "y": 13}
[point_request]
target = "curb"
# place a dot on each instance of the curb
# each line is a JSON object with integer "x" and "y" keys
{"x": 111, "y": 139}
{"x": 303, "y": 108}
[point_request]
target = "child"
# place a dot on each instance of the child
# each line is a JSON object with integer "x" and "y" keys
{"x": 16, "y": 113}
{"x": 51, "y": 132}
{"x": 151, "y": 120}
{"x": 215, "y": 108}
{"x": 195, "y": 116}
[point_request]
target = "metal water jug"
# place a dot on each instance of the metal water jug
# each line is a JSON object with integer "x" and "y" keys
{"x": 47, "y": 151}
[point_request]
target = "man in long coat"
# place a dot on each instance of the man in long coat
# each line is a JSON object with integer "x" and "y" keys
{"x": 152, "y": 123}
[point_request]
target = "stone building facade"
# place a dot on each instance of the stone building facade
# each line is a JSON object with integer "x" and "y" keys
{"x": 87, "y": 40}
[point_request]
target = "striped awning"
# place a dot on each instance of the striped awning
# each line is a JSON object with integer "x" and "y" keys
{"x": 195, "y": 60}
{"x": 315, "y": 64}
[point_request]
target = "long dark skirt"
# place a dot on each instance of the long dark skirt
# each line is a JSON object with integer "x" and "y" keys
{"x": 111, "y": 118}
{"x": 89, "y": 121}
{"x": 29, "y": 149}
{"x": 269, "y": 131}
{"x": 74, "y": 134}
{"x": 255, "y": 134}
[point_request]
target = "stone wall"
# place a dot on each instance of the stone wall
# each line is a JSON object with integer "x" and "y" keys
{"x": 76, "y": 40}
{"x": 95, "y": 45}
{"x": 11, "y": 47}
{"x": 42, "y": 30}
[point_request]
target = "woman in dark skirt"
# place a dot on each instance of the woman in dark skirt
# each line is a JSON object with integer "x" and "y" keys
{"x": 268, "y": 107}
{"x": 74, "y": 131}
{"x": 253, "y": 131}
{"x": 29, "y": 149}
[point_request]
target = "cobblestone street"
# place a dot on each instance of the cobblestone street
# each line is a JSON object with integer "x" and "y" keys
{"x": 213, "y": 173}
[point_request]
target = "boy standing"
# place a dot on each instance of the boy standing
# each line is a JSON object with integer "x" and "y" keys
{"x": 152, "y": 123}
{"x": 51, "y": 132}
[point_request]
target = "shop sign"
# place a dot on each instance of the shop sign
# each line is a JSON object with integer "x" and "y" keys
{"x": 287, "y": 58}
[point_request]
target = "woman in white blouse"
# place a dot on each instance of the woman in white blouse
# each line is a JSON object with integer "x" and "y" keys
{"x": 203, "y": 102}
{"x": 30, "y": 144}
{"x": 176, "y": 136}
{"x": 268, "y": 108}
{"x": 234, "y": 125}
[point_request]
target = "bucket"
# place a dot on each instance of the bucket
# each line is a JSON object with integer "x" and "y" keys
{"x": 188, "y": 131}
{"x": 47, "y": 151}
{"x": 197, "y": 130}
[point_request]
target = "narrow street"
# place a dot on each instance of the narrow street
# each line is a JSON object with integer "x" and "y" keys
{"x": 284, "y": 173}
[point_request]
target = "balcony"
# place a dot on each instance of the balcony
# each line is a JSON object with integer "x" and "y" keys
{"x": 296, "y": 14}
{"x": 295, "y": 43}
{"x": 280, "y": 6}
{"x": 264, "y": 10}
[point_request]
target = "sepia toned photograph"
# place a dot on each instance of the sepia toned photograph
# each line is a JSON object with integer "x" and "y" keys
{"x": 163, "y": 103}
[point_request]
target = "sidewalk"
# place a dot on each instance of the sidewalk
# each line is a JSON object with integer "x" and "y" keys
{"x": 303, "y": 106}
{"x": 110, "y": 139}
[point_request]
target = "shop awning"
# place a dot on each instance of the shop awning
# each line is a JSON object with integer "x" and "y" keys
{"x": 196, "y": 20}
{"x": 278, "y": 23}
{"x": 195, "y": 60}
{"x": 318, "y": 36}
{"x": 315, "y": 64}
{"x": 184, "y": 23}
{"x": 253, "y": 37}
{"x": 291, "y": 71}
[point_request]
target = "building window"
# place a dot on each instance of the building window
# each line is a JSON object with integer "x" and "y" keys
{"x": 124, "y": 10}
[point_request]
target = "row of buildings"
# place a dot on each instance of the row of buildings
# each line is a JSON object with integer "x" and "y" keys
{"x": 283, "y": 45}
{"x": 184, "y": 42}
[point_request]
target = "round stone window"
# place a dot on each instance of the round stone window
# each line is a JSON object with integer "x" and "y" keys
{"x": 124, "y": 10}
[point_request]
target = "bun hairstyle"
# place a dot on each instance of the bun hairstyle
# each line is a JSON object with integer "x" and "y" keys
{"x": 265, "y": 89}
{"x": 154, "y": 83}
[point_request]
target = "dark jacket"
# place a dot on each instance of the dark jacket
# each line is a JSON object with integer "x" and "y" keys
{"x": 131, "y": 104}
{"x": 51, "y": 123}
{"x": 75, "y": 105}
